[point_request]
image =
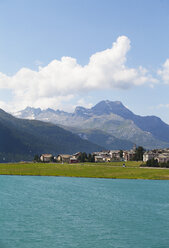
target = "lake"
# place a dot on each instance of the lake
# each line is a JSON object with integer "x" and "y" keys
{"x": 50, "y": 212}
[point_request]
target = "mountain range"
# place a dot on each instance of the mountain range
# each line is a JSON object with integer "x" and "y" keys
{"x": 21, "y": 139}
{"x": 108, "y": 124}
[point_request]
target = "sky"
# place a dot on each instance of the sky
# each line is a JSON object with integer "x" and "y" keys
{"x": 65, "y": 53}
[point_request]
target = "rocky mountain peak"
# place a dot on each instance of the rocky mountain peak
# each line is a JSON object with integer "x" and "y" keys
{"x": 105, "y": 107}
{"x": 81, "y": 111}
{"x": 108, "y": 107}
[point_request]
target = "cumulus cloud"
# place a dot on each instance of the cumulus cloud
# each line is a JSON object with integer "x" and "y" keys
{"x": 62, "y": 79}
{"x": 164, "y": 72}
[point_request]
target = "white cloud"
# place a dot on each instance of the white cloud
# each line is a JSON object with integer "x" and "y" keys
{"x": 62, "y": 79}
{"x": 164, "y": 72}
{"x": 82, "y": 102}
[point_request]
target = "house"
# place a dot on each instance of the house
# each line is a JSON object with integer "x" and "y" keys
{"x": 128, "y": 155}
{"x": 102, "y": 153}
{"x": 99, "y": 159}
{"x": 115, "y": 155}
{"x": 77, "y": 155}
{"x": 148, "y": 155}
{"x": 64, "y": 158}
{"x": 162, "y": 158}
{"x": 73, "y": 160}
{"x": 46, "y": 157}
{"x": 162, "y": 155}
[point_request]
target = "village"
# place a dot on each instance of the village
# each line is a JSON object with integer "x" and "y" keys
{"x": 161, "y": 155}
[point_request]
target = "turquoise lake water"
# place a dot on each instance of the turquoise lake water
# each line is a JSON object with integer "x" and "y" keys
{"x": 47, "y": 212}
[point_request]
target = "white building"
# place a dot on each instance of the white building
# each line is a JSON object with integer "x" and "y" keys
{"x": 46, "y": 157}
{"x": 148, "y": 155}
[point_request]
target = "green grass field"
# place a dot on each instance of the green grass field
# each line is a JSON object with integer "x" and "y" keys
{"x": 105, "y": 170}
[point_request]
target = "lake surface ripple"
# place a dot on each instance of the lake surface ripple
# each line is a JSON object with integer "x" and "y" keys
{"x": 49, "y": 212}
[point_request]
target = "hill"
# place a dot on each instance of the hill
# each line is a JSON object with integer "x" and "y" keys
{"x": 21, "y": 139}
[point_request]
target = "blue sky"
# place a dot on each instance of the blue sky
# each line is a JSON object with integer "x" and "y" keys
{"x": 39, "y": 33}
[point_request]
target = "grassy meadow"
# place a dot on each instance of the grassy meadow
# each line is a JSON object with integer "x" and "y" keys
{"x": 99, "y": 170}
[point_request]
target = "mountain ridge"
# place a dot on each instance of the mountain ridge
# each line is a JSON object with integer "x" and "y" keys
{"x": 113, "y": 118}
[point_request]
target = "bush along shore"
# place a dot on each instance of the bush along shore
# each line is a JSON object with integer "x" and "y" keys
{"x": 154, "y": 163}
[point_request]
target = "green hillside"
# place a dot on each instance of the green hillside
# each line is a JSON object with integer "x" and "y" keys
{"x": 22, "y": 139}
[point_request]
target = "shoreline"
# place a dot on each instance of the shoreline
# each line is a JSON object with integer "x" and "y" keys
{"x": 83, "y": 177}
